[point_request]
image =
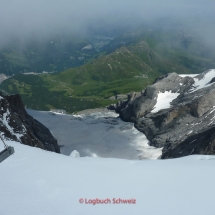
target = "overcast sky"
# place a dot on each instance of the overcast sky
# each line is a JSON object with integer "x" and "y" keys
{"x": 22, "y": 17}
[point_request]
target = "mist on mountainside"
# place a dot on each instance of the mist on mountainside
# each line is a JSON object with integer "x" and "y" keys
{"x": 54, "y": 36}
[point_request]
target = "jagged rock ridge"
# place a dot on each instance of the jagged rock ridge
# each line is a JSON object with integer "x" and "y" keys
{"x": 16, "y": 124}
{"x": 183, "y": 127}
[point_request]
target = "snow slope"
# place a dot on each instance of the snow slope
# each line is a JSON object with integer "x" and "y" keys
{"x": 204, "y": 82}
{"x": 97, "y": 135}
{"x": 38, "y": 182}
{"x": 201, "y": 82}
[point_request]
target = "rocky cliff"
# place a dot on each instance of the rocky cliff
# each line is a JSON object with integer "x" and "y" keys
{"x": 176, "y": 113}
{"x": 16, "y": 124}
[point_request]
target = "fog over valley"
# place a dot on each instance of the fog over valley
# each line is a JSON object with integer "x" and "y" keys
{"x": 91, "y": 51}
{"x": 23, "y": 19}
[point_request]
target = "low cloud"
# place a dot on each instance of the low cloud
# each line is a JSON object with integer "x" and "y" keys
{"x": 24, "y": 18}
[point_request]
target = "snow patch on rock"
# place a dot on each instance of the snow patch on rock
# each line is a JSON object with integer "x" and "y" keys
{"x": 187, "y": 75}
{"x": 87, "y": 47}
{"x": 164, "y": 100}
{"x": 204, "y": 82}
{"x": 5, "y": 121}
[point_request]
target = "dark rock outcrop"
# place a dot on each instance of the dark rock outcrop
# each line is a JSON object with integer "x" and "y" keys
{"x": 123, "y": 103}
{"x": 16, "y": 124}
{"x": 132, "y": 109}
{"x": 188, "y": 126}
{"x": 175, "y": 122}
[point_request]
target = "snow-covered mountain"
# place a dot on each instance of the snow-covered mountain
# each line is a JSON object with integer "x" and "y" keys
{"x": 176, "y": 113}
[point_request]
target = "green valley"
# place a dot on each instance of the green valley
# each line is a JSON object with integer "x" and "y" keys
{"x": 124, "y": 65}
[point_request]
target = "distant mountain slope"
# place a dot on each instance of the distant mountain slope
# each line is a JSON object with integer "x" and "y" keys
{"x": 182, "y": 45}
{"x": 89, "y": 86}
{"x": 125, "y": 62}
{"x": 51, "y": 55}
{"x": 62, "y": 51}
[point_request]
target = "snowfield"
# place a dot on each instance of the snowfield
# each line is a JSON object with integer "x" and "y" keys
{"x": 97, "y": 135}
{"x": 201, "y": 82}
{"x": 38, "y": 182}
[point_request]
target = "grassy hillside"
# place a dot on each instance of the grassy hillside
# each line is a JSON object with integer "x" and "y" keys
{"x": 128, "y": 63}
{"x": 181, "y": 45}
{"x": 127, "y": 69}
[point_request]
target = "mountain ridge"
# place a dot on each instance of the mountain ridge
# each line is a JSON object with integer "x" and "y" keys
{"x": 91, "y": 85}
{"x": 183, "y": 127}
